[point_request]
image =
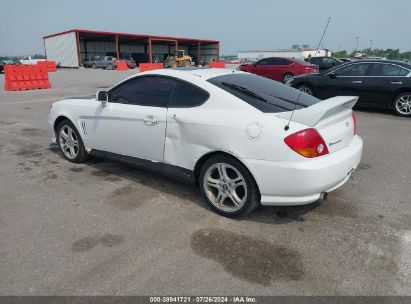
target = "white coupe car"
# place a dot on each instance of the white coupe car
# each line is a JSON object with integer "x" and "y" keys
{"x": 242, "y": 138}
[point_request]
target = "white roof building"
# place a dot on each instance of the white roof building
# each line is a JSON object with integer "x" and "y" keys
{"x": 289, "y": 53}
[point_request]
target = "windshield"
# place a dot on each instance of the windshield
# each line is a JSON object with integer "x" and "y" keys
{"x": 266, "y": 95}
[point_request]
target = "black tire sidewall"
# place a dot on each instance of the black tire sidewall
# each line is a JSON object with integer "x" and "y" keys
{"x": 394, "y": 107}
{"x": 253, "y": 197}
{"x": 81, "y": 156}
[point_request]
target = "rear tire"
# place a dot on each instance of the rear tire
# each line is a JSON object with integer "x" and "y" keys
{"x": 287, "y": 76}
{"x": 228, "y": 187}
{"x": 305, "y": 88}
{"x": 402, "y": 104}
{"x": 110, "y": 67}
{"x": 94, "y": 66}
{"x": 70, "y": 142}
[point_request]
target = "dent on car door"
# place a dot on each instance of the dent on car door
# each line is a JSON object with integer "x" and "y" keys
{"x": 133, "y": 122}
{"x": 350, "y": 80}
{"x": 184, "y": 141}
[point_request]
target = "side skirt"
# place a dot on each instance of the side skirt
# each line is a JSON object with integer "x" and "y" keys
{"x": 173, "y": 172}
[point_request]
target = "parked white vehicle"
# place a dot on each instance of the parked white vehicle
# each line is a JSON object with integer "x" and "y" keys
{"x": 29, "y": 60}
{"x": 232, "y": 133}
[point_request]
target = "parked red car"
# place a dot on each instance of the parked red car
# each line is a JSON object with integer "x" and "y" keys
{"x": 280, "y": 69}
{"x": 131, "y": 64}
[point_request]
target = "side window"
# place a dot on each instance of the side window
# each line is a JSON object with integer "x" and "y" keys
{"x": 275, "y": 61}
{"x": 328, "y": 60}
{"x": 315, "y": 60}
{"x": 353, "y": 70}
{"x": 392, "y": 70}
{"x": 144, "y": 91}
{"x": 186, "y": 96}
{"x": 265, "y": 61}
{"x": 282, "y": 61}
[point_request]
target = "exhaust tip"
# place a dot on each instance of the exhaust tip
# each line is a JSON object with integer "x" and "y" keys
{"x": 323, "y": 197}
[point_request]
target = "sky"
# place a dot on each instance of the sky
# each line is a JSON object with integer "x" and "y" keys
{"x": 239, "y": 25}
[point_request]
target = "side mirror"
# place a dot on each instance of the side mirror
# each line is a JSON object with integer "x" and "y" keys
{"x": 103, "y": 97}
{"x": 332, "y": 75}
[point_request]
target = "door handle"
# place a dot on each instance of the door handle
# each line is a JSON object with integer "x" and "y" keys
{"x": 150, "y": 120}
{"x": 396, "y": 82}
{"x": 357, "y": 81}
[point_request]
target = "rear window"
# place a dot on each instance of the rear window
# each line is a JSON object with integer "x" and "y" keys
{"x": 266, "y": 95}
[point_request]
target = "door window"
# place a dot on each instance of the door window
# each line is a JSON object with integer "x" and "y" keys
{"x": 144, "y": 91}
{"x": 353, "y": 70}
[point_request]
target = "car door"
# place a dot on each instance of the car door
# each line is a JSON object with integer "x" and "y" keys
{"x": 133, "y": 122}
{"x": 281, "y": 66}
{"x": 262, "y": 68}
{"x": 349, "y": 80}
{"x": 386, "y": 80}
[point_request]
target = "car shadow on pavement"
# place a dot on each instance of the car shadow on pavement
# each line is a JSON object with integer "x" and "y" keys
{"x": 111, "y": 171}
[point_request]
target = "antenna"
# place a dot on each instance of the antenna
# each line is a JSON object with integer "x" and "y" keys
{"x": 287, "y": 126}
{"x": 322, "y": 37}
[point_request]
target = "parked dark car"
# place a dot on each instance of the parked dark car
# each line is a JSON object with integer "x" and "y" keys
{"x": 324, "y": 63}
{"x": 1, "y": 67}
{"x": 280, "y": 69}
{"x": 378, "y": 83}
{"x": 140, "y": 58}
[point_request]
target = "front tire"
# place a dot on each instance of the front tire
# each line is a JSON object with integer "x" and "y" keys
{"x": 306, "y": 89}
{"x": 94, "y": 66}
{"x": 70, "y": 143}
{"x": 228, "y": 187}
{"x": 402, "y": 104}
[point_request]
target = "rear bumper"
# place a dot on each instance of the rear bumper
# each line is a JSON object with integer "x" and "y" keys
{"x": 299, "y": 183}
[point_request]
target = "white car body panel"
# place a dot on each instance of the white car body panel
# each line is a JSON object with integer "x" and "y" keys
{"x": 226, "y": 124}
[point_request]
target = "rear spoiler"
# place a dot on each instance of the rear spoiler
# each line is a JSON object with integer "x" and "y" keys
{"x": 313, "y": 114}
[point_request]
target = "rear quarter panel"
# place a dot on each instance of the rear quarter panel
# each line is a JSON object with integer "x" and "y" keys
{"x": 224, "y": 123}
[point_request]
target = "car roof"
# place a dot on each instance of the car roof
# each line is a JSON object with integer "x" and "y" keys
{"x": 203, "y": 73}
{"x": 400, "y": 63}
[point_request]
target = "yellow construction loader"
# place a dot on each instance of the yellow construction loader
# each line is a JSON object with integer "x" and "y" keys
{"x": 179, "y": 60}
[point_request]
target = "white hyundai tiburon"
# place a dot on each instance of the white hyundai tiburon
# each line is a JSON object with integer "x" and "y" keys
{"x": 242, "y": 138}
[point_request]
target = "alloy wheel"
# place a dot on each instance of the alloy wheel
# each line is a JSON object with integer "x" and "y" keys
{"x": 225, "y": 187}
{"x": 287, "y": 76}
{"x": 306, "y": 90}
{"x": 403, "y": 104}
{"x": 69, "y": 143}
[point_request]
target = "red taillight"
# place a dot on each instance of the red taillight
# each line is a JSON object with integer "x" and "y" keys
{"x": 307, "y": 143}
{"x": 354, "y": 119}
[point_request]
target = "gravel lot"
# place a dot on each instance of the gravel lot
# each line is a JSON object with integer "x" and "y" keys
{"x": 101, "y": 228}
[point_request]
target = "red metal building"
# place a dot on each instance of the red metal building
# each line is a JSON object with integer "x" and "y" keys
{"x": 71, "y": 47}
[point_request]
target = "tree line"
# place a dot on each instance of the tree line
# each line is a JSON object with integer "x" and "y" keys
{"x": 393, "y": 54}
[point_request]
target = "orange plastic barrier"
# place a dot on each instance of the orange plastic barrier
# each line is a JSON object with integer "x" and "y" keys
{"x": 122, "y": 66}
{"x": 25, "y": 77}
{"x": 150, "y": 66}
{"x": 215, "y": 64}
{"x": 50, "y": 66}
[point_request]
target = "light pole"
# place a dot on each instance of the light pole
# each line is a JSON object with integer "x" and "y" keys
{"x": 370, "y": 45}
{"x": 356, "y": 46}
